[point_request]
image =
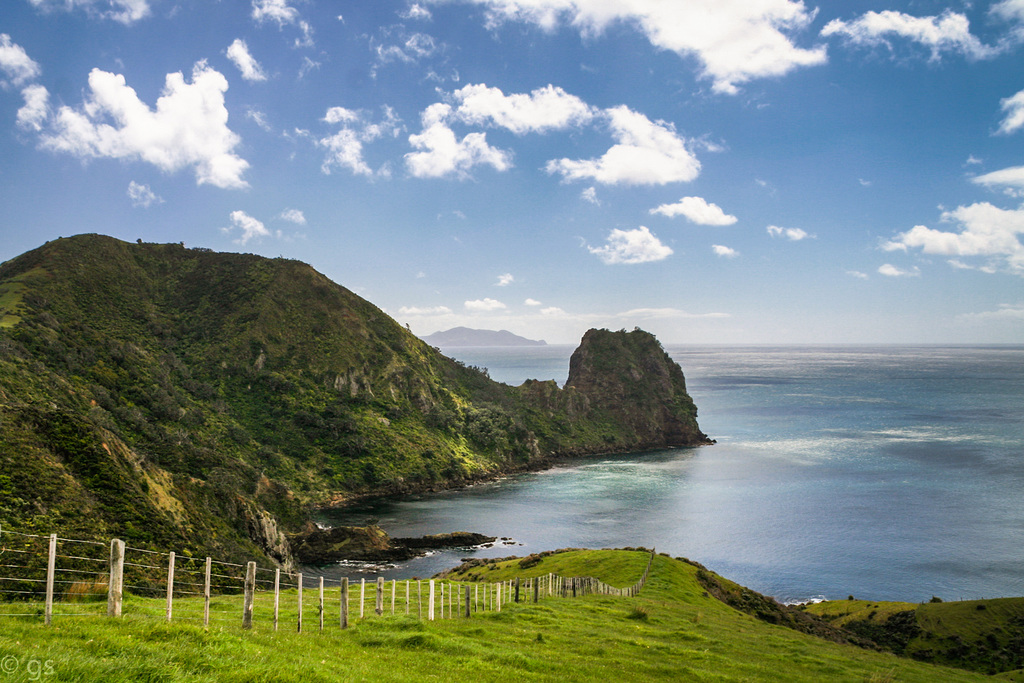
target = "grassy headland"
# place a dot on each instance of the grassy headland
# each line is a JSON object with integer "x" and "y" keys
{"x": 675, "y": 630}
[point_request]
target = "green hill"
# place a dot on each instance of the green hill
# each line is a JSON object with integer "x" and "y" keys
{"x": 181, "y": 398}
{"x": 673, "y": 631}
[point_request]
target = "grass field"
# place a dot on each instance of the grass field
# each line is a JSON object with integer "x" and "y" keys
{"x": 672, "y": 631}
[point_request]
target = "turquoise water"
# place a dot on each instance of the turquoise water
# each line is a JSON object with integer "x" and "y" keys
{"x": 881, "y": 472}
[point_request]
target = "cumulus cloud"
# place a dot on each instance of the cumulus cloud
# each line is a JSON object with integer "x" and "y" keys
{"x": 188, "y": 128}
{"x": 123, "y": 11}
{"x": 484, "y": 305}
{"x": 238, "y": 52}
{"x": 857, "y": 274}
{"x": 723, "y": 251}
{"x": 409, "y": 49}
{"x": 15, "y": 63}
{"x": 505, "y": 280}
{"x": 532, "y": 302}
{"x": 792, "y": 234}
{"x": 547, "y": 108}
{"x": 293, "y": 216}
{"x": 33, "y": 115}
{"x": 697, "y": 210}
{"x": 442, "y": 153}
{"x": 142, "y": 196}
{"x": 345, "y": 148}
{"x": 590, "y": 195}
{"x": 1014, "y": 108}
{"x": 249, "y": 227}
{"x": 274, "y": 10}
{"x": 647, "y": 153}
{"x": 631, "y": 247}
{"x": 948, "y": 32}
{"x": 982, "y": 230}
{"x": 890, "y": 270}
{"x": 735, "y": 42}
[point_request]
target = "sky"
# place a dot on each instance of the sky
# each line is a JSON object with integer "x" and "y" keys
{"x": 712, "y": 171}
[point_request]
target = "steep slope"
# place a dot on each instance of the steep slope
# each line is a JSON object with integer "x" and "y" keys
{"x": 191, "y": 399}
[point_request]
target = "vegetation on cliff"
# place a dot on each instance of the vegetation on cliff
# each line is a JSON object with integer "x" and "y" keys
{"x": 181, "y": 398}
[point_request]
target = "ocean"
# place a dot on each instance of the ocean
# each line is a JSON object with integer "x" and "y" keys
{"x": 887, "y": 473}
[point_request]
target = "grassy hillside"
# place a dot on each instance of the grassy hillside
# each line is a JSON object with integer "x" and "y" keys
{"x": 673, "y": 631}
{"x": 982, "y": 635}
{"x": 183, "y": 398}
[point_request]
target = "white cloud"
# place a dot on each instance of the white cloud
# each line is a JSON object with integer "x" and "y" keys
{"x": 735, "y": 42}
{"x": 249, "y": 226}
{"x": 123, "y": 11}
{"x": 187, "y": 128}
{"x": 665, "y": 313}
{"x": 552, "y": 311}
{"x": 723, "y": 251}
{"x": 238, "y": 52}
{"x": 1010, "y": 10}
{"x": 505, "y": 280}
{"x": 33, "y": 115}
{"x": 293, "y": 216}
{"x": 16, "y": 64}
{"x": 857, "y": 274}
{"x": 417, "y": 11}
{"x": 890, "y": 270}
{"x": 532, "y": 302}
{"x": 410, "y": 49}
{"x": 949, "y": 32}
{"x": 984, "y": 230}
{"x": 345, "y": 148}
{"x": 484, "y": 305}
{"x": 1010, "y": 179}
{"x": 1014, "y": 108}
{"x": 631, "y": 246}
{"x": 647, "y": 153}
{"x": 590, "y": 195}
{"x": 274, "y": 10}
{"x": 142, "y": 196}
{"x": 444, "y": 154}
{"x": 1011, "y": 312}
{"x": 418, "y": 310}
{"x": 792, "y": 234}
{"x": 547, "y": 108}
{"x": 697, "y": 210}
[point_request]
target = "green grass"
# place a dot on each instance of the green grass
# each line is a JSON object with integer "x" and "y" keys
{"x": 673, "y": 631}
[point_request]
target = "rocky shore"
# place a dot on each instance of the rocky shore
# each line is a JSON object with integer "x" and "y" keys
{"x": 316, "y": 546}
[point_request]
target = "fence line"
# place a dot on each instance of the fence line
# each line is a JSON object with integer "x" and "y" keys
{"x": 193, "y": 589}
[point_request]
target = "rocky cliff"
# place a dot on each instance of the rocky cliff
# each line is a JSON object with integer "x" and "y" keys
{"x": 206, "y": 402}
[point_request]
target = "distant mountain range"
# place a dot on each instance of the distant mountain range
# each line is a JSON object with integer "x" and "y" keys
{"x": 465, "y": 336}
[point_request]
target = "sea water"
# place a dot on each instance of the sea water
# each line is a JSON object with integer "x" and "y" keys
{"x": 887, "y": 473}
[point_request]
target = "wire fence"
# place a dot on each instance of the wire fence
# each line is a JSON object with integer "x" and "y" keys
{"x": 49, "y": 577}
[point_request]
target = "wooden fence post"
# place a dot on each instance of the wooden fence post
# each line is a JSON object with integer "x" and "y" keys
{"x": 394, "y": 587}
{"x": 536, "y": 589}
{"x": 250, "y": 588}
{"x": 379, "y": 609}
{"x": 206, "y": 592}
{"x": 419, "y": 599}
{"x": 277, "y": 596}
{"x": 299, "y": 624}
{"x": 321, "y": 603}
{"x": 430, "y": 602}
{"x": 467, "y": 602}
{"x": 497, "y": 596}
{"x": 344, "y": 602}
{"x": 517, "y": 590}
{"x": 170, "y": 584}
{"x": 51, "y": 569}
{"x": 115, "y": 585}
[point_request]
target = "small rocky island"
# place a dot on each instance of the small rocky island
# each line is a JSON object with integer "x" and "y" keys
{"x": 316, "y": 546}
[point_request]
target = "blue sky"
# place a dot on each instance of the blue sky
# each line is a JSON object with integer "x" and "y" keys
{"x": 759, "y": 171}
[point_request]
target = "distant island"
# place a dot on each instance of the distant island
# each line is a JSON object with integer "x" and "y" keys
{"x": 465, "y": 336}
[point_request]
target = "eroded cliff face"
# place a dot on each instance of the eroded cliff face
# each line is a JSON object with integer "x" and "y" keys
{"x": 627, "y": 379}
